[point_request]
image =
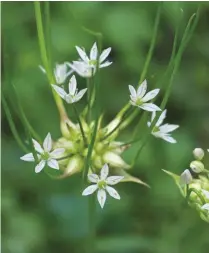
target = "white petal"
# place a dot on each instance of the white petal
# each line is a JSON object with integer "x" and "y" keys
{"x": 105, "y": 64}
{"x": 94, "y": 178}
{"x": 89, "y": 190}
{"x": 206, "y": 193}
{"x": 161, "y": 118}
{"x": 104, "y": 54}
{"x": 28, "y": 157}
{"x": 82, "y": 54}
{"x": 168, "y": 128}
{"x": 104, "y": 172}
{"x": 205, "y": 206}
{"x": 101, "y": 196}
{"x": 142, "y": 89}
{"x": 48, "y": 143}
{"x": 37, "y": 146}
{"x": 168, "y": 138}
{"x": 60, "y": 91}
{"x": 72, "y": 85}
{"x": 40, "y": 166}
{"x": 150, "y": 107}
{"x": 132, "y": 91}
{"x": 53, "y": 164}
{"x": 94, "y": 52}
{"x": 150, "y": 95}
{"x": 57, "y": 152}
{"x": 60, "y": 73}
{"x": 114, "y": 180}
{"x": 80, "y": 94}
{"x": 113, "y": 193}
{"x": 82, "y": 69}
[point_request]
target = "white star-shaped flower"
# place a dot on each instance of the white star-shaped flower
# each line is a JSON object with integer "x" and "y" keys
{"x": 60, "y": 72}
{"x": 73, "y": 96}
{"x": 162, "y": 131}
{"x": 102, "y": 183}
{"x": 139, "y": 99}
{"x": 205, "y": 206}
{"x": 45, "y": 156}
{"x": 86, "y": 66}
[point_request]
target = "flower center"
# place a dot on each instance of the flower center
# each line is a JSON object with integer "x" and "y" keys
{"x": 155, "y": 129}
{"x": 139, "y": 102}
{"x": 93, "y": 62}
{"x": 101, "y": 184}
{"x": 45, "y": 156}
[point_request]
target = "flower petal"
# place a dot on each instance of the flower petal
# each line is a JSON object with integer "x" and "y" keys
{"x": 104, "y": 54}
{"x": 53, "y": 164}
{"x": 28, "y": 157}
{"x": 185, "y": 178}
{"x": 90, "y": 189}
{"x": 113, "y": 193}
{"x": 101, "y": 196}
{"x": 80, "y": 94}
{"x": 104, "y": 172}
{"x": 40, "y": 166}
{"x": 60, "y": 91}
{"x": 168, "y": 138}
{"x": 114, "y": 180}
{"x": 168, "y": 128}
{"x": 150, "y": 107}
{"x": 161, "y": 118}
{"x": 94, "y": 52}
{"x": 94, "y": 178}
{"x": 206, "y": 193}
{"x": 47, "y": 143}
{"x": 82, "y": 54}
{"x": 205, "y": 206}
{"x": 150, "y": 95}
{"x": 132, "y": 91}
{"x": 72, "y": 85}
{"x": 37, "y": 146}
{"x": 105, "y": 64}
{"x": 142, "y": 89}
{"x": 57, "y": 152}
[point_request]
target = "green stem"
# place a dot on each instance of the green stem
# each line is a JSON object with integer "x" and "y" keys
{"x": 89, "y": 99}
{"x": 80, "y": 124}
{"x": 12, "y": 125}
{"x": 148, "y": 58}
{"x": 45, "y": 61}
{"x": 64, "y": 157}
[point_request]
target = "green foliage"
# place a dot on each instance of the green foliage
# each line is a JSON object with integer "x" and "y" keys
{"x": 45, "y": 215}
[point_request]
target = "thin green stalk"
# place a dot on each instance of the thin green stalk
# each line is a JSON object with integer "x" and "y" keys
{"x": 45, "y": 61}
{"x": 149, "y": 56}
{"x": 176, "y": 65}
{"x": 48, "y": 32}
{"x": 89, "y": 99}
{"x": 80, "y": 124}
{"x": 12, "y": 126}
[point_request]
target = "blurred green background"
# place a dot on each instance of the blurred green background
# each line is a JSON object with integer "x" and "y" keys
{"x": 43, "y": 215}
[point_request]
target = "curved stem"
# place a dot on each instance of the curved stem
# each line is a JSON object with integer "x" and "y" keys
{"x": 49, "y": 72}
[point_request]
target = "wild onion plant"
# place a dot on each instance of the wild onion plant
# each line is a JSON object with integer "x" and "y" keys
{"x": 90, "y": 147}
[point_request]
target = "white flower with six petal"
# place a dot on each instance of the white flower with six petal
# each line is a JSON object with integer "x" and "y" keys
{"x": 138, "y": 97}
{"x": 86, "y": 66}
{"x": 102, "y": 185}
{"x": 60, "y": 72}
{"x": 44, "y": 155}
{"x": 162, "y": 131}
{"x": 73, "y": 96}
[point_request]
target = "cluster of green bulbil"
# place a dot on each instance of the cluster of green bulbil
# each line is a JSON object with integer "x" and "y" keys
{"x": 194, "y": 184}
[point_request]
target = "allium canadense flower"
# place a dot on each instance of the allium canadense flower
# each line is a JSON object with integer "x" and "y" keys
{"x": 86, "y": 66}
{"x": 73, "y": 96}
{"x": 102, "y": 183}
{"x": 139, "y": 99}
{"x": 44, "y": 154}
{"x": 162, "y": 131}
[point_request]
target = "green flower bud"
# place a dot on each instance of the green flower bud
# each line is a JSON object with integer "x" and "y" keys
{"x": 197, "y": 166}
{"x": 198, "y": 153}
{"x": 115, "y": 160}
{"x": 185, "y": 178}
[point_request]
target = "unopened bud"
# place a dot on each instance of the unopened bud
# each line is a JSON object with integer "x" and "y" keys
{"x": 185, "y": 178}
{"x": 115, "y": 160}
{"x": 197, "y": 166}
{"x": 198, "y": 153}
